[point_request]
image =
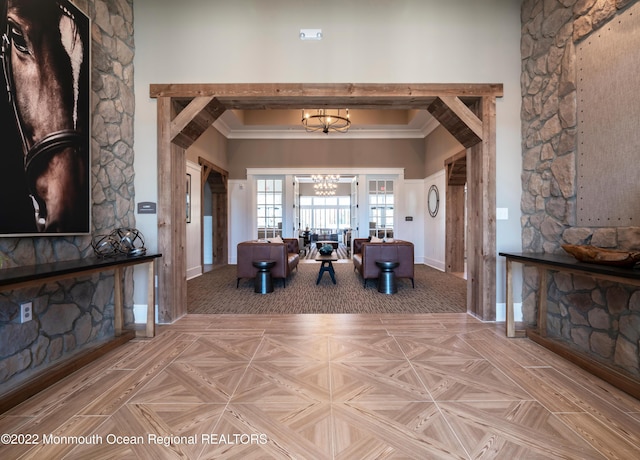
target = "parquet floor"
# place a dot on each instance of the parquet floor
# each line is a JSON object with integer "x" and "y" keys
{"x": 328, "y": 387}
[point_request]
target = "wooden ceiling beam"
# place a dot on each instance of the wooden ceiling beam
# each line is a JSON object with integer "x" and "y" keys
{"x": 194, "y": 119}
{"x": 330, "y": 102}
{"x": 188, "y": 113}
{"x": 458, "y": 119}
{"x": 456, "y": 166}
{"x": 214, "y": 175}
{"x": 338, "y": 90}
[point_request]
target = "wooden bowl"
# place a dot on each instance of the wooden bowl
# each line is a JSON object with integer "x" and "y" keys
{"x": 596, "y": 255}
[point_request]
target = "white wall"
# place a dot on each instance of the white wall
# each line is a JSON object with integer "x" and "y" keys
{"x": 411, "y": 204}
{"x": 194, "y": 234}
{"x": 240, "y": 195}
{"x": 435, "y": 227}
{"x": 377, "y": 41}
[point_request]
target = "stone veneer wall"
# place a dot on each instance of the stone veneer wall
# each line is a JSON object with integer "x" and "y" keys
{"x": 601, "y": 318}
{"x": 72, "y": 314}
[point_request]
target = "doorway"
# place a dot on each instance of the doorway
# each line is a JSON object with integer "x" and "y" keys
{"x": 467, "y": 111}
{"x": 214, "y": 215}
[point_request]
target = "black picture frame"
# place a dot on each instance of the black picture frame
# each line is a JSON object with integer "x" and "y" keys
{"x": 26, "y": 167}
{"x": 433, "y": 201}
{"x": 188, "y": 198}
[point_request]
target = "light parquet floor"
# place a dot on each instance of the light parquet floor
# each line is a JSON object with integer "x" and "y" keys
{"x": 328, "y": 387}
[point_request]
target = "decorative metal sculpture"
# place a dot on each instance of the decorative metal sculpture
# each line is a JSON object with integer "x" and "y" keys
{"x": 128, "y": 241}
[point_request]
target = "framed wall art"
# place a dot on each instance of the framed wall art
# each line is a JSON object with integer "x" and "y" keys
{"x": 188, "y": 198}
{"x": 45, "y": 119}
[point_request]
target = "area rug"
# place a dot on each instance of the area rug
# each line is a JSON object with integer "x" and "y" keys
{"x": 312, "y": 252}
{"x": 435, "y": 292}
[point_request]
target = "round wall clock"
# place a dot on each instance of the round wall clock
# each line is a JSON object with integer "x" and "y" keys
{"x": 433, "y": 200}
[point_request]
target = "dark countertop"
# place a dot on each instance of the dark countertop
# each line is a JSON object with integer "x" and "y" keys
{"x": 25, "y": 273}
{"x": 569, "y": 262}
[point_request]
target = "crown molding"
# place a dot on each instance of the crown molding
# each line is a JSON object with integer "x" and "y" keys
{"x": 419, "y": 132}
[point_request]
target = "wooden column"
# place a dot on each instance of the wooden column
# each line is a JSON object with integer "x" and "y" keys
{"x": 455, "y": 237}
{"x": 481, "y": 244}
{"x": 172, "y": 291}
{"x": 455, "y": 204}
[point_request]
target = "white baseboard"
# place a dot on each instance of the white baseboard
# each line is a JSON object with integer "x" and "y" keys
{"x": 501, "y": 312}
{"x": 140, "y": 313}
{"x": 437, "y": 264}
{"x": 194, "y": 272}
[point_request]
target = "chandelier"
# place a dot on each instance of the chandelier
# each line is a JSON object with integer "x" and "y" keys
{"x": 325, "y": 185}
{"x": 326, "y": 120}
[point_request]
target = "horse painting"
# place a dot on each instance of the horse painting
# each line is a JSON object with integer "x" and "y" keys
{"x": 45, "y": 113}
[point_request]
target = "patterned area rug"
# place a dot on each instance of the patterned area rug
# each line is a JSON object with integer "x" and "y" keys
{"x": 312, "y": 252}
{"x": 435, "y": 292}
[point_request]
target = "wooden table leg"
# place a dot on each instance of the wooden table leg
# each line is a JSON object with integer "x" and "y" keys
{"x": 510, "y": 321}
{"x": 542, "y": 302}
{"x": 151, "y": 299}
{"x": 117, "y": 301}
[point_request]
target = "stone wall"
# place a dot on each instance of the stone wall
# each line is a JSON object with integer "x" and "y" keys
{"x": 72, "y": 314}
{"x": 601, "y": 318}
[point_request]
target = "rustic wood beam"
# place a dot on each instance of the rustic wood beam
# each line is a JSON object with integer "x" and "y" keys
{"x": 165, "y": 237}
{"x": 464, "y": 113}
{"x": 456, "y": 117}
{"x": 191, "y": 111}
{"x": 194, "y": 119}
{"x": 454, "y": 158}
{"x": 209, "y": 168}
{"x": 344, "y": 91}
{"x": 481, "y": 243}
{"x": 456, "y": 167}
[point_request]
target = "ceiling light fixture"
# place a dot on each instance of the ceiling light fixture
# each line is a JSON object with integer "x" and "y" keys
{"x": 325, "y": 185}
{"x": 326, "y": 120}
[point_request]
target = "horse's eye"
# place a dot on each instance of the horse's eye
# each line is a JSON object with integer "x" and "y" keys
{"x": 17, "y": 38}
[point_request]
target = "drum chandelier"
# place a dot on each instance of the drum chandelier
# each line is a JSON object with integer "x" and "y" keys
{"x": 326, "y": 120}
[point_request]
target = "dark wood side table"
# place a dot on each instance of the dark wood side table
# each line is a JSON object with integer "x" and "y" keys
{"x": 387, "y": 277}
{"x": 548, "y": 262}
{"x": 263, "y": 283}
{"x": 326, "y": 265}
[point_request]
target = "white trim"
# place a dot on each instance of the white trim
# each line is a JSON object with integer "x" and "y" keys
{"x": 194, "y": 272}
{"x": 398, "y": 172}
{"x": 298, "y": 133}
{"x": 351, "y": 134}
{"x": 437, "y": 264}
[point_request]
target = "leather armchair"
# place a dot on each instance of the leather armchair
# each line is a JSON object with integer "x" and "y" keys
{"x": 286, "y": 256}
{"x": 366, "y": 253}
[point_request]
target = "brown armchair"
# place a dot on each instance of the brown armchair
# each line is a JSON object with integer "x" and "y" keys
{"x": 366, "y": 253}
{"x": 286, "y": 256}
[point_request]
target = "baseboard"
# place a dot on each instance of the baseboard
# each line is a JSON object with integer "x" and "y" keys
{"x": 501, "y": 312}
{"x": 140, "y": 314}
{"x": 194, "y": 272}
{"x": 437, "y": 264}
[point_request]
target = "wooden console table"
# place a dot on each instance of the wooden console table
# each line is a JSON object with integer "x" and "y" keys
{"x": 568, "y": 264}
{"x": 36, "y": 275}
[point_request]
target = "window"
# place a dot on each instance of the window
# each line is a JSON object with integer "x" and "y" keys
{"x": 269, "y": 198}
{"x": 325, "y": 212}
{"x": 381, "y": 208}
